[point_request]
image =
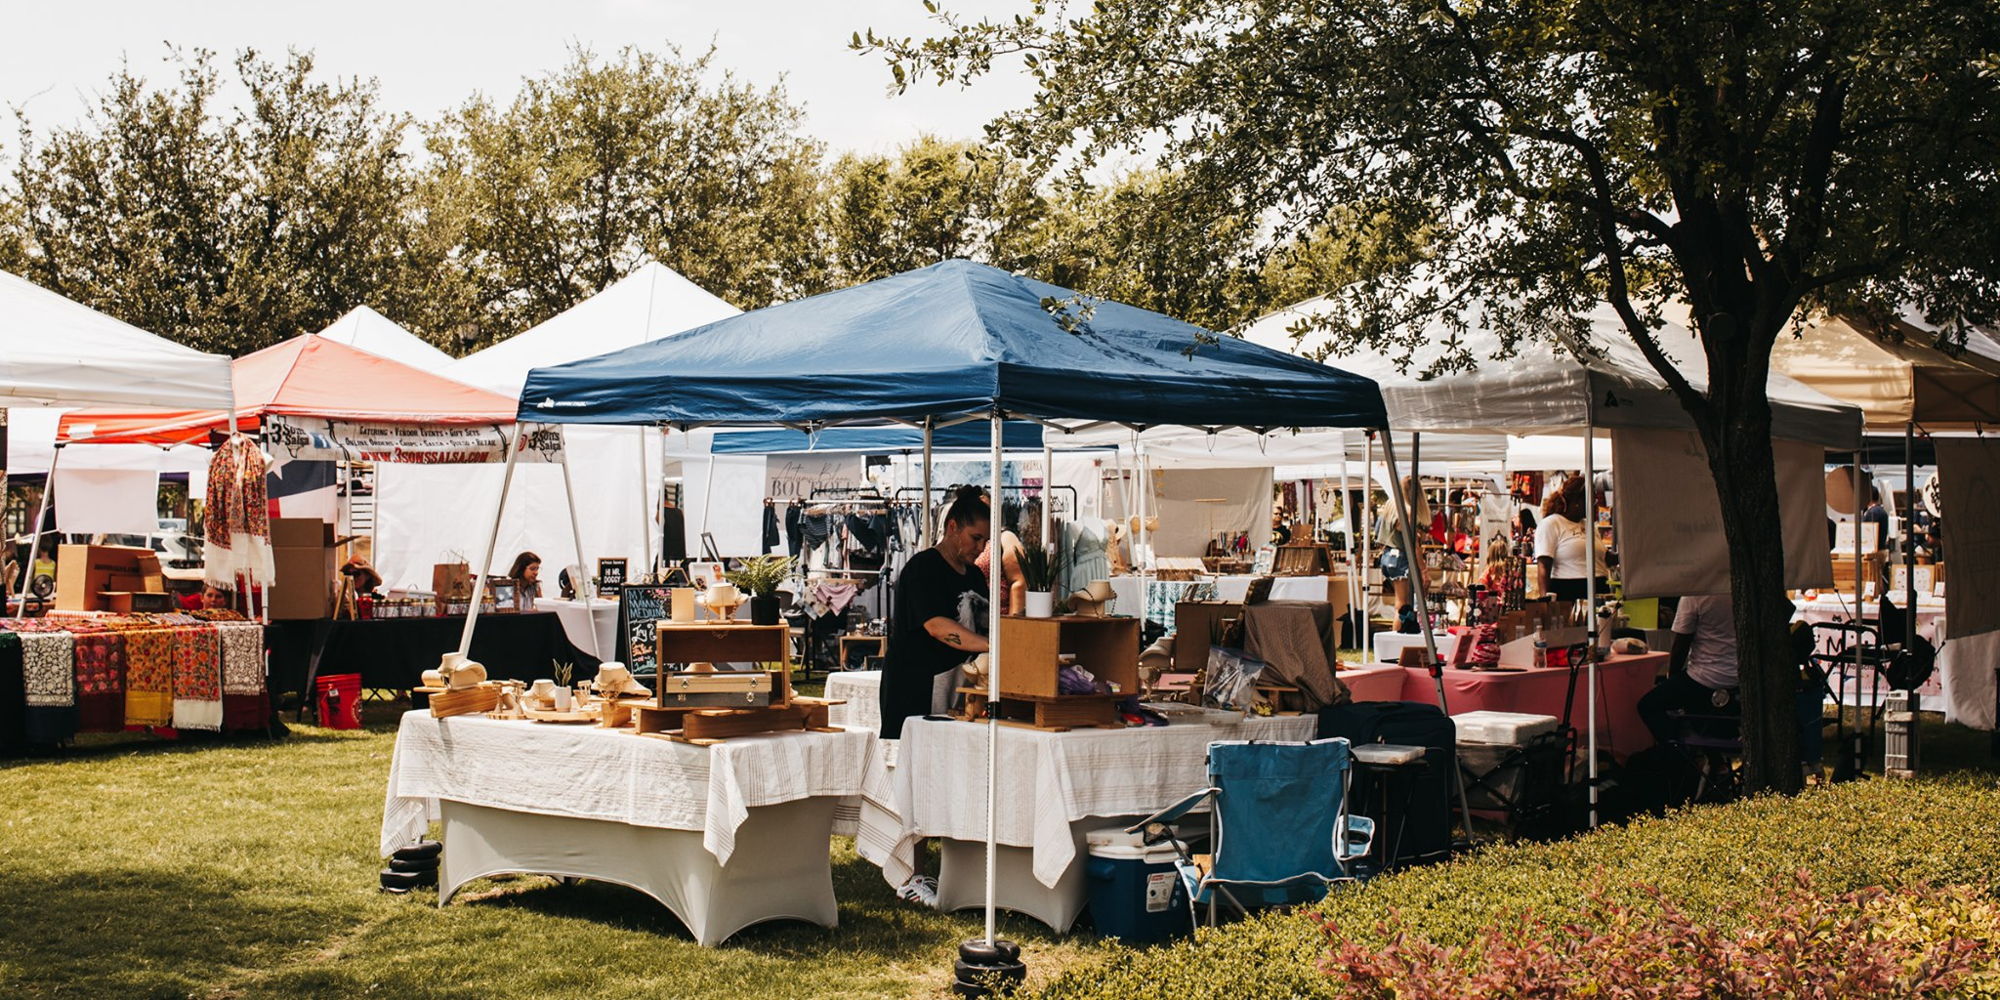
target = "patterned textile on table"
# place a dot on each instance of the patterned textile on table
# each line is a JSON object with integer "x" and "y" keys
{"x": 244, "y": 701}
{"x": 197, "y": 659}
{"x": 100, "y": 682}
{"x": 238, "y": 521}
{"x": 149, "y": 677}
{"x": 48, "y": 669}
{"x": 13, "y": 693}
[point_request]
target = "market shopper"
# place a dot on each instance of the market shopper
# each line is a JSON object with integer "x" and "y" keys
{"x": 1563, "y": 544}
{"x": 1701, "y": 670}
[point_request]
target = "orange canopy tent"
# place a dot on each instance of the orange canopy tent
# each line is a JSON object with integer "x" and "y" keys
{"x": 305, "y": 377}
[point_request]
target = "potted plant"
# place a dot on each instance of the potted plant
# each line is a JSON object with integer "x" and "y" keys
{"x": 759, "y": 576}
{"x": 1041, "y": 569}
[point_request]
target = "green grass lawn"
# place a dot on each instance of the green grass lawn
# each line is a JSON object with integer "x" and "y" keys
{"x": 136, "y": 868}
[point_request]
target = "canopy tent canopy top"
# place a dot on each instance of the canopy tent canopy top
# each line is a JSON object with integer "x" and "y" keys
{"x": 953, "y": 341}
{"x": 375, "y": 333}
{"x": 1897, "y": 376}
{"x": 1020, "y": 435}
{"x": 56, "y": 352}
{"x": 307, "y": 376}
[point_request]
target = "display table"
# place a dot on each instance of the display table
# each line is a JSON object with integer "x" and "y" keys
{"x": 1380, "y": 682}
{"x": 1839, "y": 608}
{"x": 862, "y": 692}
{"x": 395, "y": 652}
{"x": 1054, "y": 788}
{"x": 1287, "y": 588}
{"x": 581, "y": 619}
{"x": 1621, "y": 680}
{"x": 724, "y": 836}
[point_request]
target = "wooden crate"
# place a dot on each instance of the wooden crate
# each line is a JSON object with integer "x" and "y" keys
{"x": 713, "y": 725}
{"x": 715, "y": 642}
{"x": 1056, "y": 713}
{"x": 1029, "y": 647}
{"x": 465, "y": 701}
{"x": 1302, "y": 560}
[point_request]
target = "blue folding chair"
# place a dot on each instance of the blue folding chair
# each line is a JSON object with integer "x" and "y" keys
{"x": 1278, "y": 825}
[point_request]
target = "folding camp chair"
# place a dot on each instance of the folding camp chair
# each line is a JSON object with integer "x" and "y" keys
{"x": 1279, "y": 827}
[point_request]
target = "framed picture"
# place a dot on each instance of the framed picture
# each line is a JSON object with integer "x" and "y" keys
{"x": 1267, "y": 559}
{"x": 610, "y": 574}
{"x": 505, "y": 596}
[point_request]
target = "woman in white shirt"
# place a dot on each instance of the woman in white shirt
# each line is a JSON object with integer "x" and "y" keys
{"x": 1563, "y": 541}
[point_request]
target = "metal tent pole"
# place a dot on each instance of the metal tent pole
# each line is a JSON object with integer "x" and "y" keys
{"x": 993, "y": 608}
{"x": 35, "y": 533}
{"x": 1417, "y": 593}
{"x": 645, "y": 494}
{"x": 1367, "y": 544}
{"x": 1347, "y": 538}
{"x": 928, "y": 519}
{"x": 576, "y": 536}
{"x": 1590, "y": 592}
{"x": 1909, "y": 549}
{"x": 1048, "y": 487}
{"x": 492, "y": 539}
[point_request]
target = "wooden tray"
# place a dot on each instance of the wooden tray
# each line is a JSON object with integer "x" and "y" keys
{"x": 569, "y": 718}
{"x": 465, "y": 701}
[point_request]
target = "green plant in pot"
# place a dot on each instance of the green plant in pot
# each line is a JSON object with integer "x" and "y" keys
{"x": 760, "y": 576}
{"x": 1041, "y": 569}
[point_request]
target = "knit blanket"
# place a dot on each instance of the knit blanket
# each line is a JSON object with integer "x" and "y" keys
{"x": 48, "y": 669}
{"x": 245, "y": 703}
{"x": 100, "y": 682}
{"x": 149, "y": 677}
{"x": 197, "y": 667}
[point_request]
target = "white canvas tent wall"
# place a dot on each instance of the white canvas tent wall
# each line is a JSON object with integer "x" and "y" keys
{"x": 617, "y": 470}
{"x": 377, "y": 334}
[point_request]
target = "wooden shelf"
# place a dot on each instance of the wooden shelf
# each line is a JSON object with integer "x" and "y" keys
{"x": 1030, "y": 647}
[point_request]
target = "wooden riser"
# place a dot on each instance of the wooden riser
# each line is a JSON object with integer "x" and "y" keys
{"x": 713, "y": 725}
{"x": 1056, "y": 714}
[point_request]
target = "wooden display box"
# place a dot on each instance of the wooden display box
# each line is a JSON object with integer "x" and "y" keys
{"x": 1029, "y": 647}
{"x": 1194, "y": 622}
{"x": 1303, "y": 560}
{"x": 715, "y": 642}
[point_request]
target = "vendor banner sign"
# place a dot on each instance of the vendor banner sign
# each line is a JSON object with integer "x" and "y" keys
{"x": 407, "y": 444}
{"x": 793, "y": 477}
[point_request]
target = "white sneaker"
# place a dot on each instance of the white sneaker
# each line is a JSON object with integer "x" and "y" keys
{"x": 919, "y": 889}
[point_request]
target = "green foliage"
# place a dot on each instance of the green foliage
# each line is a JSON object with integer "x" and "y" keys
{"x": 604, "y": 164}
{"x": 760, "y": 576}
{"x": 1041, "y": 567}
{"x": 1714, "y": 863}
{"x": 934, "y": 200}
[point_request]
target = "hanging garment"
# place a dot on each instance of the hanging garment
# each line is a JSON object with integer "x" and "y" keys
{"x": 13, "y": 694}
{"x": 673, "y": 535}
{"x": 245, "y": 704}
{"x": 238, "y": 523}
{"x": 149, "y": 677}
{"x": 100, "y": 682}
{"x": 1031, "y": 523}
{"x": 829, "y": 597}
{"x": 794, "y": 531}
{"x": 197, "y": 656}
{"x": 48, "y": 670}
{"x": 770, "y": 528}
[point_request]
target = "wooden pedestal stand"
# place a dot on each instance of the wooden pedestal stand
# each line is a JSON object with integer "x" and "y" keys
{"x": 712, "y": 642}
{"x": 1030, "y": 651}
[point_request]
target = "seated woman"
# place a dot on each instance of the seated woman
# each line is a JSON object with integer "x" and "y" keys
{"x": 527, "y": 572}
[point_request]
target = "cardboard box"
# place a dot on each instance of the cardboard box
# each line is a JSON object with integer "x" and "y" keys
{"x": 302, "y": 553}
{"x": 84, "y": 571}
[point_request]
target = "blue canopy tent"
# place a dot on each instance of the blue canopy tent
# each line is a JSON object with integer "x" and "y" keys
{"x": 1021, "y": 435}
{"x": 947, "y": 344}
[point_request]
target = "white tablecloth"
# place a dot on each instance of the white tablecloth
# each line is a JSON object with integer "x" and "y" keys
{"x": 937, "y": 786}
{"x": 587, "y": 772}
{"x": 1283, "y": 588}
{"x": 580, "y": 620}
{"x": 862, "y": 690}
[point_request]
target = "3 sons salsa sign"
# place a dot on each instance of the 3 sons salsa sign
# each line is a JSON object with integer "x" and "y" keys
{"x": 408, "y": 444}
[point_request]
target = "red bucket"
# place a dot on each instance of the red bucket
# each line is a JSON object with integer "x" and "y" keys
{"x": 339, "y": 701}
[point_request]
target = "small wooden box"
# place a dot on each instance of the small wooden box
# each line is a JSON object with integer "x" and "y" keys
{"x": 1302, "y": 560}
{"x": 713, "y": 642}
{"x": 1029, "y": 647}
{"x": 723, "y": 689}
{"x": 464, "y": 701}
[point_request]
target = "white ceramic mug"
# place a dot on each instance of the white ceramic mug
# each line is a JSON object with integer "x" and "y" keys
{"x": 563, "y": 699}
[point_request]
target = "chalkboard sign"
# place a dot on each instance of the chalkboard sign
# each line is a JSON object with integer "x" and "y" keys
{"x": 640, "y": 609}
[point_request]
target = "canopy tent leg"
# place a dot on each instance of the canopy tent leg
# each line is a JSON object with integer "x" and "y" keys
{"x": 1367, "y": 545}
{"x": 1347, "y": 537}
{"x": 1417, "y": 593}
{"x": 35, "y": 533}
{"x": 646, "y": 529}
{"x": 493, "y": 539}
{"x": 1590, "y": 594}
{"x": 1048, "y": 488}
{"x": 926, "y": 508}
{"x": 993, "y": 608}
{"x": 1909, "y": 549}
{"x": 576, "y": 537}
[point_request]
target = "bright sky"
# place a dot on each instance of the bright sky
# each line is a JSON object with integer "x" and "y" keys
{"x": 429, "y": 55}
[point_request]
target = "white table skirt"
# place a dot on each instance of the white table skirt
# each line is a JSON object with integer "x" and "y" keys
{"x": 582, "y": 623}
{"x": 781, "y": 871}
{"x": 585, "y": 772}
{"x": 862, "y": 690}
{"x": 1048, "y": 782}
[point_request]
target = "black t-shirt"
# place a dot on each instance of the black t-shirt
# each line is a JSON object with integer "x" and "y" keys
{"x": 927, "y": 588}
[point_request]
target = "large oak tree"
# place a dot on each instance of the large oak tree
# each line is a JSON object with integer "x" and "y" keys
{"x": 1752, "y": 159}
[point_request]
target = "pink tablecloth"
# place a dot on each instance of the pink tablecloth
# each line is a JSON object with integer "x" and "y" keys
{"x": 1620, "y": 682}
{"x": 1381, "y": 682}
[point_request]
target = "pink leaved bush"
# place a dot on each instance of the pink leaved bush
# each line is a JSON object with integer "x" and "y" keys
{"x": 1797, "y": 942}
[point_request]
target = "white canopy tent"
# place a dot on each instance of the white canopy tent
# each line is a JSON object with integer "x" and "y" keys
{"x": 378, "y": 334}
{"x": 55, "y": 352}
{"x": 617, "y": 470}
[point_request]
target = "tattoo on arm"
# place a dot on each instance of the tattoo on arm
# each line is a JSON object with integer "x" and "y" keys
{"x": 954, "y": 638}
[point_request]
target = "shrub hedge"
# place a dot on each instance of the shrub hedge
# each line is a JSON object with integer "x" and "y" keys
{"x": 1713, "y": 863}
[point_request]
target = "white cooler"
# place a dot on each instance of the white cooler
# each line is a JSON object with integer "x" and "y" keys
{"x": 1485, "y": 740}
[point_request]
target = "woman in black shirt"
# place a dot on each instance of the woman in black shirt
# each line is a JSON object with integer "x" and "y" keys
{"x": 941, "y": 612}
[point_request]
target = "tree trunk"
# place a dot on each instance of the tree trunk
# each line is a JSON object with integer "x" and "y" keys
{"x": 1741, "y": 458}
